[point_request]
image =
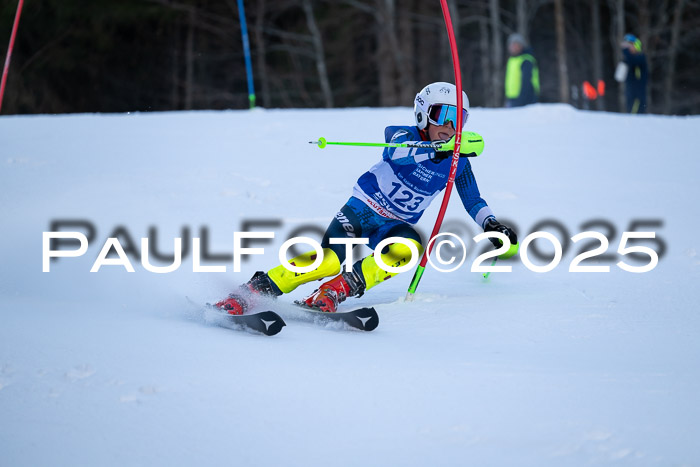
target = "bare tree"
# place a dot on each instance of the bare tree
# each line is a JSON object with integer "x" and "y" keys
{"x": 617, "y": 8}
{"x": 672, "y": 53}
{"x": 561, "y": 51}
{"x": 497, "y": 53}
{"x": 597, "y": 49}
{"x": 189, "y": 61}
{"x": 644, "y": 35}
{"x": 261, "y": 53}
{"x": 486, "y": 66}
{"x": 453, "y": 8}
{"x": 388, "y": 95}
{"x": 175, "y": 71}
{"x": 406, "y": 33}
{"x": 177, "y": 54}
{"x": 388, "y": 52}
{"x": 521, "y": 15}
{"x": 318, "y": 53}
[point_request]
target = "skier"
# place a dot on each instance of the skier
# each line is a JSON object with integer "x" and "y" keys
{"x": 386, "y": 201}
{"x": 637, "y": 74}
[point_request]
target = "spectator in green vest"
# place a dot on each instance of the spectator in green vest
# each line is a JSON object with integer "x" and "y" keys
{"x": 522, "y": 74}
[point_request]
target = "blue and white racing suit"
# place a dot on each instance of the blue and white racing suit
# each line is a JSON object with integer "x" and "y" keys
{"x": 395, "y": 192}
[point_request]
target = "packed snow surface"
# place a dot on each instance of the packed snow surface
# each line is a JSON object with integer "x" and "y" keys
{"x": 118, "y": 368}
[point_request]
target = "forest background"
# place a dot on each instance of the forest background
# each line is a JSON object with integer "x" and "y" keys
{"x": 156, "y": 55}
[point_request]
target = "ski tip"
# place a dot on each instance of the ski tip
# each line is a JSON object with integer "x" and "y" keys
{"x": 368, "y": 317}
{"x": 304, "y": 306}
{"x": 272, "y": 322}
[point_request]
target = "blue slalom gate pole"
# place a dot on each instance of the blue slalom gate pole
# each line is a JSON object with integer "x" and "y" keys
{"x": 246, "y": 54}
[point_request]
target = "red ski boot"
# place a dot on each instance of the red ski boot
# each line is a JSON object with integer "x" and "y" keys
{"x": 248, "y": 294}
{"x": 233, "y": 304}
{"x": 332, "y": 293}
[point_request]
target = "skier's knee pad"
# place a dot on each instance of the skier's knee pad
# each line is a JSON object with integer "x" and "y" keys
{"x": 287, "y": 280}
{"x": 395, "y": 255}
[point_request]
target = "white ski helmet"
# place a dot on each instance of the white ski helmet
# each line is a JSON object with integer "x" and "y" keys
{"x": 436, "y": 103}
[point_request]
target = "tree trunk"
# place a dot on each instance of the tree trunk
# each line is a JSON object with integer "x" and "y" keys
{"x": 445, "y": 67}
{"x": 424, "y": 56}
{"x": 385, "y": 55}
{"x": 497, "y": 49}
{"x": 485, "y": 63}
{"x": 521, "y": 15}
{"x": 261, "y": 52}
{"x": 454, "y": 16}
{"x": 348, "y": 90}
{"x": 297, "y": 74}
{"x": 189, "y": 62}
{"x": 597, "y": 50}
{"x": 672, "y": 52}
{"x": 407, "y": 72}
{"x": 453, "y": 8}
{"x": 644, "y": 35}
{"x": 561, "y": 52}
{"x": 318, "y": 53}
{"x": 399, "y": 72}
{"x": 175, "y": 76}
{"x": 617, "y": 8}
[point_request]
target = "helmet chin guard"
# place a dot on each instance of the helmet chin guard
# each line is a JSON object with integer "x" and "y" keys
{"x": 435, "y": 94}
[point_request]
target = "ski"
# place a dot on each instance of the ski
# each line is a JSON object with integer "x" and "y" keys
{"x": 266, "y": 322}
{"x": 364, "y": 319}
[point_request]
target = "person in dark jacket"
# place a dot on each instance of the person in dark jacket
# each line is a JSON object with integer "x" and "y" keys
{"x": 522, "y": 75}
{"x": 637, "y": 74}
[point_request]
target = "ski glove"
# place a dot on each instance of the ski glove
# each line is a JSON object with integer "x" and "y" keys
{"x": 472, "y": 146}
{"x": 492, "y": 225}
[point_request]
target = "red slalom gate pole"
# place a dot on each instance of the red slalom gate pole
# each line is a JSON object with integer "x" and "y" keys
{"x": 455, "y": 156}
{"x": 9, "y": 51}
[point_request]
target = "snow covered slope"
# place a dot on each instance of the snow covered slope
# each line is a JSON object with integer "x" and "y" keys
{"x": 555, "y": 368}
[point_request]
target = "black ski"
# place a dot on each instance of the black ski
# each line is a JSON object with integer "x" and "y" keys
{"x": 266, "y": 322}
{"x": 364, "y": 319}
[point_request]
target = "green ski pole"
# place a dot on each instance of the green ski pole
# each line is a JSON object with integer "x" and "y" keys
{"x": 493, "y": 263}
{"x": 322, "y": 143}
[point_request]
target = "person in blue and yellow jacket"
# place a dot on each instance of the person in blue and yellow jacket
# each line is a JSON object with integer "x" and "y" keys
{"x": 637, "y": 74}
{"x": 522, "y": 75}
{"x": 386, "y": 202}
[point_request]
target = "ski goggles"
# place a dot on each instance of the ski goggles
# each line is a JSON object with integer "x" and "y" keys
{"x": 439, "y": 114}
